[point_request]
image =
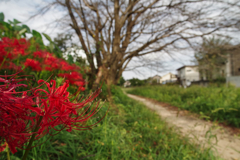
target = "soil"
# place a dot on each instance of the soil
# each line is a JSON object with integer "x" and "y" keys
{"x": 223, "y": 140}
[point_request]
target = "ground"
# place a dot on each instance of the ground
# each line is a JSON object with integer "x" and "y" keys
{"x": 223, "y": 140}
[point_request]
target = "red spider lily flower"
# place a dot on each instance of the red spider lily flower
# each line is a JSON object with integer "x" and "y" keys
{"x": 11, "y": 48}
{"x": 34, "y": 64}
{"x": 59, "y": 110}
{"x": 51, "y": 62}
{"x": 80, "y": 84}
{"x": 2, "y": 148}
{"x": 67, "y": 67}
{"x": 18, "y": 116}
{"x": 16, "y": 113}
{"x": 14, "y": 130}
{"x": 10, "y": 65}
{"x": 74, "y": 78}
{"x": 38, "y": 54}
{"x": 20, "y": 46}
{"x": 41, "y": 54}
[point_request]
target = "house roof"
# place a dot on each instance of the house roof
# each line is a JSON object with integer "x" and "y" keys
{"x": 168, "y": 74}
{"x": 156, "y": 76}
{"x": 187, "y": 66}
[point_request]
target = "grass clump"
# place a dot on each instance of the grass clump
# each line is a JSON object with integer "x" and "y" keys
{"x": 215, "y": 103}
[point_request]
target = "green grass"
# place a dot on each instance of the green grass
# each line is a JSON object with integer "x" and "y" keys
{"x": 130, "y": 131}
{"x": 215, "y": 103}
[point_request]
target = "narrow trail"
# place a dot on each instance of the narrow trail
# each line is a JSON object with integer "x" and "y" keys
{"x": 223, "y": 143}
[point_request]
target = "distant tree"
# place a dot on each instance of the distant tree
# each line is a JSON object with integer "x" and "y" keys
{"x": 63, "y": 41}
{"x": 121, "y": 81}
{"x": 137, "y": 82}
{"x": 154, "y": 81}
{"x": 211, "y": 57}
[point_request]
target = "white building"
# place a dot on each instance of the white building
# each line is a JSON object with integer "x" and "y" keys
{"x": 156, "y": 78}
{"x": 168, "y": 78}
{"x": 233, "y": 68}
{"x": 188, "y": 74}
{"x": 127, "y": 84}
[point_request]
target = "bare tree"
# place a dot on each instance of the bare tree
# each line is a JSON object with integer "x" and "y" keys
{"x": 116, "y": 31}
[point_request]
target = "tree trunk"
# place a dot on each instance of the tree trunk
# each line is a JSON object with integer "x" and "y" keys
{"x": 98, "y": 78}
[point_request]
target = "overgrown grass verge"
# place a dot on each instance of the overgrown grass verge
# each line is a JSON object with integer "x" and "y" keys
{"x": 129, "y": 131}
{"x": 215, "y": 103}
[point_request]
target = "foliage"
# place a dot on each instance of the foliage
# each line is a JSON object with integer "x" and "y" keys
{"x": 212, "y": 56}
{"x": 218, "y": 104}
{"x": 137, "y": 82}
{"x": 132, "y": 132}
{"x": 62, "y": 41}
{"x": 121, "y": 81}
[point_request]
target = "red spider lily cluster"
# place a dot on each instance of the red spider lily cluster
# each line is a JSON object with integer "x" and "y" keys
{"x": 31, "y": 114}
{"x": 11, "y": 49}
{"x": 74, "y": 78}
{"x": 22, "y": 112}
{"x": 51, "y": 63}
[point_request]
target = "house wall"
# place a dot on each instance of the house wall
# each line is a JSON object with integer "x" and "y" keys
{"x": 157, "y": 78}
{"x": 189, "y": 73}
{"x": 181, "y": 73}
{"x": 165, "y": 77}
{"x": 235, "y": 63}
{"x": 233, "y": 69}
{"x": 168, "y": 78}
{"x": 127, "y": 84}
{"x": 228, "y": 66}
{"x": 235, "y": 80}
{"x": 192, "y": 73}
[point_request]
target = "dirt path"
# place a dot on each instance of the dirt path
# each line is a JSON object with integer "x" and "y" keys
{"x": 227, "y": 145}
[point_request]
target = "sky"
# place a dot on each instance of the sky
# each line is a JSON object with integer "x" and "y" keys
{"x": 22, "y": 10}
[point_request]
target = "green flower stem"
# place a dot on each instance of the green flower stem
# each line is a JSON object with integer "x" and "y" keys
{"x": 8, "y": 154}
{"x": 32, "y": 139}
{"x": 4, "y": 60}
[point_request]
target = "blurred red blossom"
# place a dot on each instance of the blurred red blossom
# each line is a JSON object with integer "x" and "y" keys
{"x": 11, "y": 48}
{"x": 2, "y": 148}
{"x": 74, "y": 78}
{"x": 34, "y": 64}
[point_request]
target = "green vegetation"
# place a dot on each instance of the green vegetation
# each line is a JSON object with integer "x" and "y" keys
{"x": 137, "y": 82}
{"x": 130, "y": 131}
{"x": 218, "y": 104}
